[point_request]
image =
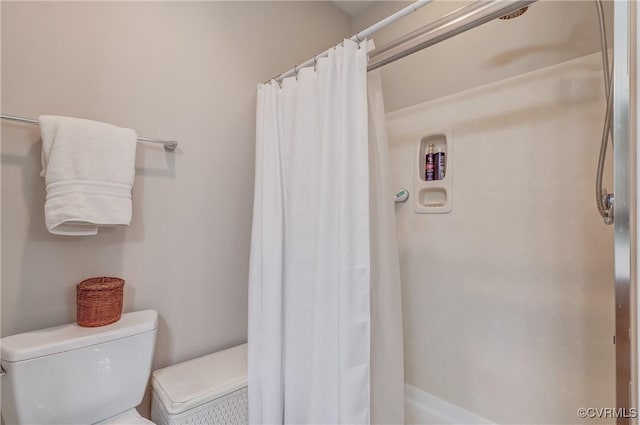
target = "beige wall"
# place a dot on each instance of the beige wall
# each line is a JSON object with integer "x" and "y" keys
{"x": 550, "y": 32}
{"x": 183, "y": 70}
{"x": 508, "y": 300}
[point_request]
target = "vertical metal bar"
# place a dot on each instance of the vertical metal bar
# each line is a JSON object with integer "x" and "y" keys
{"x": 634, "y": 47}
{"x": 622, "y": 241}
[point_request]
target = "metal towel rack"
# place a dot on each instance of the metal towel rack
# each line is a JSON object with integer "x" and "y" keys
{"x": 169, "y": 145}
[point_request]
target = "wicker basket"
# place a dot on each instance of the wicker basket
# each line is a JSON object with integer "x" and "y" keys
{"x": 99, "y": 301}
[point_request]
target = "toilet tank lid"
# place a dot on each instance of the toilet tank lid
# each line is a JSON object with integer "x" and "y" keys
{"x": 44, "y": 342}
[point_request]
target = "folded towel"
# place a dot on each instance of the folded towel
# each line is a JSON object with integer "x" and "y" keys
{"x": 89, "y": 169}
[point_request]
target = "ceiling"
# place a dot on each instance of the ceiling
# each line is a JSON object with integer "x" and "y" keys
{"x": 353, "y": 7}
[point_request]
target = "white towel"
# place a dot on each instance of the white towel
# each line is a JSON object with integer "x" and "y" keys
{"x": 89, "y": 168}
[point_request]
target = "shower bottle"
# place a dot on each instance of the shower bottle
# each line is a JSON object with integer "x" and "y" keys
{"x": 429, "y": 163}
{"x": 440, "y": 164}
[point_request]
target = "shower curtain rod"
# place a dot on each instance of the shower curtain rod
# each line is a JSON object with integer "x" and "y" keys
{"x": 451, "y": 24}
{"x": 169, "y": 145}
{"x": 358, "y": 36}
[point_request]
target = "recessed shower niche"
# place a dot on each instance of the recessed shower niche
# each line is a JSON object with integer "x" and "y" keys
{"x": 433, "y": 175}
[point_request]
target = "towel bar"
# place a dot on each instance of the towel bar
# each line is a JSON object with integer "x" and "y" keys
{"x": 169, "y": 145}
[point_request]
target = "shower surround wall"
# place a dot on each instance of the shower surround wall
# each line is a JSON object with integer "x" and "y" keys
{"x": 174, "y": 70}
{"x": 508, "y": 300}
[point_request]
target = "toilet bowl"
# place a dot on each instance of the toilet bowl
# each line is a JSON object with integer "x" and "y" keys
{"x": 74, "y": 375}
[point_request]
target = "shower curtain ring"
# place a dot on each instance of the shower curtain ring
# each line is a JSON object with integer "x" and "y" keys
{"x": 295, "y": 70}
{"x": 315, "y": 63}
{"x": 357, "y": 36}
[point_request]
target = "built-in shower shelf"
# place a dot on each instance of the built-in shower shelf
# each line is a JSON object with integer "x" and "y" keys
{"x": 433, "y": 196}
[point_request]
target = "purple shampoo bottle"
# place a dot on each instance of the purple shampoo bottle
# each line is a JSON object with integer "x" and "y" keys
{"x": 429, "y": 163}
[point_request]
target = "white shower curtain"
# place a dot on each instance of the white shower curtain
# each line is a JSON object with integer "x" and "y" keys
{"x": 387, "y": 351}
{"x": 309, "y": 282}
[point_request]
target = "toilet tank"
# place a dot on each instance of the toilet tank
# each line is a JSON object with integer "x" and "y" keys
{"x": 74, "y": 375}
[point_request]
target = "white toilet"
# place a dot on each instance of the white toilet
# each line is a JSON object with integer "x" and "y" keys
{"x": 74, "y": 375}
